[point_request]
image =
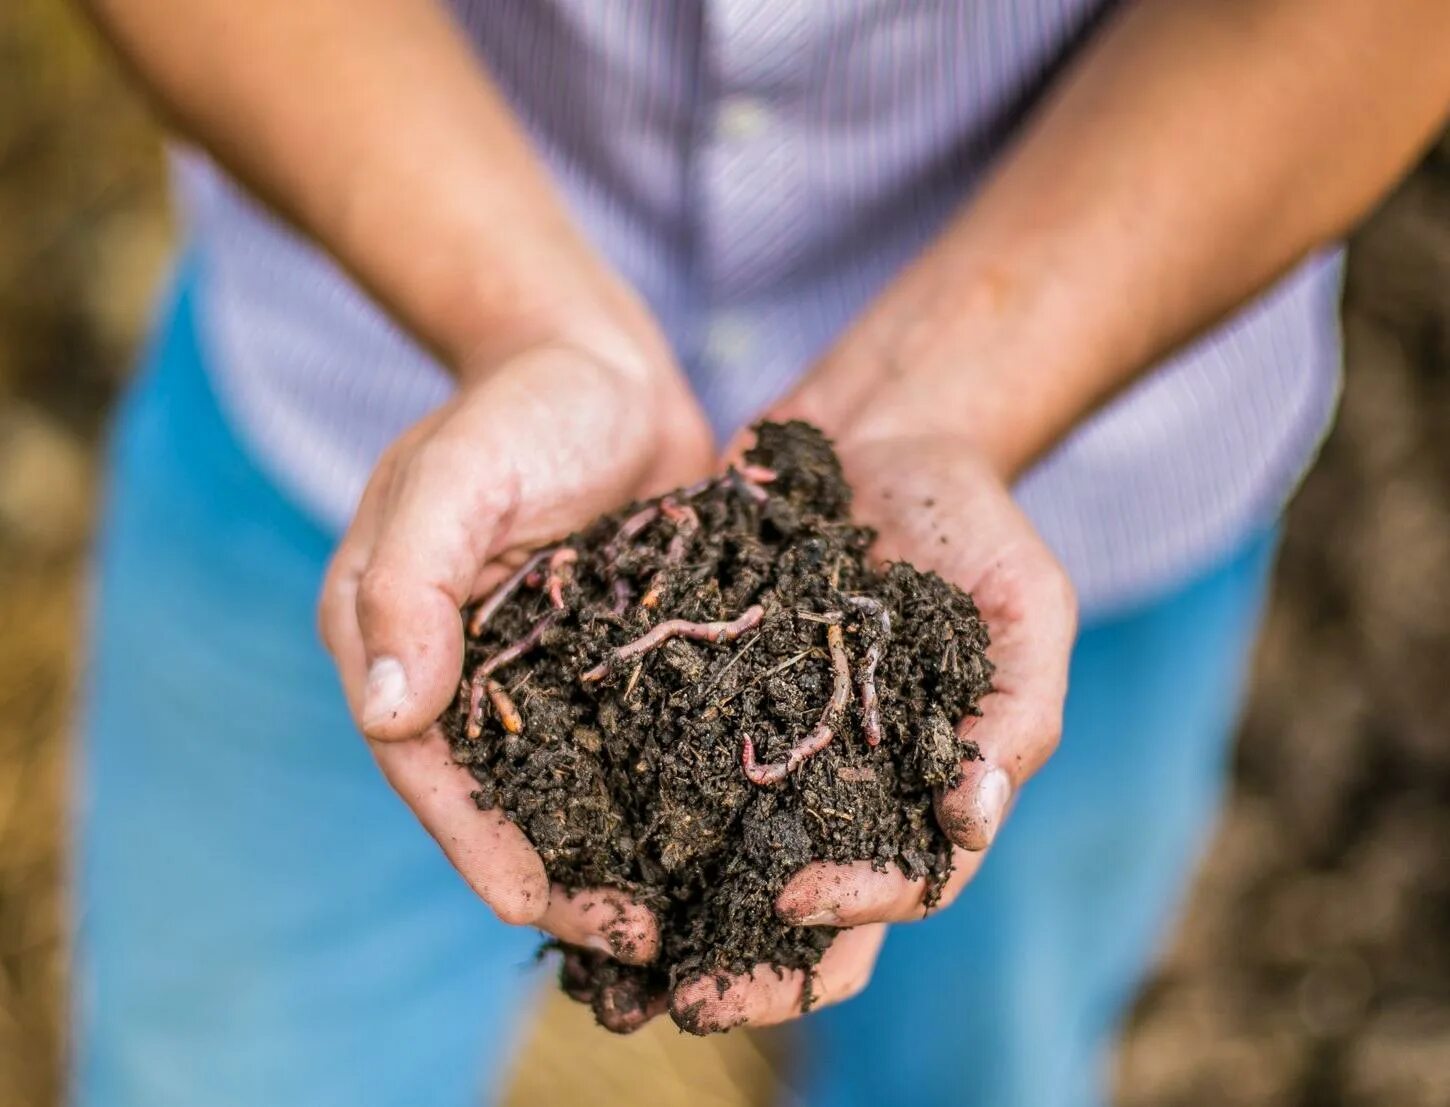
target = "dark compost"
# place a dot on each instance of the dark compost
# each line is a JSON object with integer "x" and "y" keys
{"x": 699, "y": 694}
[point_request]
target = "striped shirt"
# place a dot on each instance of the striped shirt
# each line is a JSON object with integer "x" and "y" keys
{"x": 758, "y": 170}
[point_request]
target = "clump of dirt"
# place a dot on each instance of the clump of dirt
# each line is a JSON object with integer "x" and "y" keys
{"x": 699, "y": 694}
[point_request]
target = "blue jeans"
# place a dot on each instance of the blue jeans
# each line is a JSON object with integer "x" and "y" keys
{"x": 260, "y": 921}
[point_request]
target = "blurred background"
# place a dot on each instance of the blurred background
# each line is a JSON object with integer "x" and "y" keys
{"x": 1312, "y": 967}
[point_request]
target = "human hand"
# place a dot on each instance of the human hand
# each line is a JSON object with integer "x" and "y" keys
{"x": 528, "y": 450}
{"x": 936, "y": 503}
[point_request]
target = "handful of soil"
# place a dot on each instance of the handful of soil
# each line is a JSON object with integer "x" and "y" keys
{"x": 698, "y": 695}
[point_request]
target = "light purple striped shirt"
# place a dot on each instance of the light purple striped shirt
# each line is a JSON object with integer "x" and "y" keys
{"x": 759, "y": 169}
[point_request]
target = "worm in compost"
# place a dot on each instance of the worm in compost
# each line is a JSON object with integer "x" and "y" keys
{"x": 629, "y": 530}
{"x": 749, "y": 485}
{"x": 687, "y": 523}
{"x": 518, "y": 649}
{"x": 866, "y": 675}
{"x": 773, "y": 772}
{"x": 621, "y": 592}
{"x": 485, "y": 610}
{"x": 677, "y": 628}
{"x": 561, "y": 570}
{"x": 503, "y": 703}
{"x": 474, "y": 726}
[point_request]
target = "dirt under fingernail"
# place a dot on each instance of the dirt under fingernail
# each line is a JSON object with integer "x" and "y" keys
{"x": 627, "y": 764}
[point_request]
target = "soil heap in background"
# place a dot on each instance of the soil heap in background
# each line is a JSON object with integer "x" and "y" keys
{"x": 699, "y": 694}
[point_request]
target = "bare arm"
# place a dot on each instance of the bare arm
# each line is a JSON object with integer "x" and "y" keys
{"x": 1195, "y": 152}
{"x": 371, "y": 126}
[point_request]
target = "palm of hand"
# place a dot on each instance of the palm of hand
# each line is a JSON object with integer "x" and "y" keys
{"x": 935, "y": 504}
{"x": 536, "y": 448}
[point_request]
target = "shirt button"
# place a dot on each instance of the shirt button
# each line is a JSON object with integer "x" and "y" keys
{"x": 741, "y": 118}
{"x": 729, "y": 339}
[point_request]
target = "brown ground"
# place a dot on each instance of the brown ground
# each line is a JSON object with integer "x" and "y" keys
{"x": 1313, "y": 967}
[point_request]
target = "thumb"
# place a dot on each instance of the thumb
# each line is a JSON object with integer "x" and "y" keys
{"x": 422, "y": 571}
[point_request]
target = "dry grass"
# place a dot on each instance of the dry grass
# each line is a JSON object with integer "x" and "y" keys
{"x": 1314, "y": 964}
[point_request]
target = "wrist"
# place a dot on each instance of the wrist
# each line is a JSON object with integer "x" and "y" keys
{"x": 972, "y": 354}
{"x": 480, "y": 282}
{"x": 590, "y": 312}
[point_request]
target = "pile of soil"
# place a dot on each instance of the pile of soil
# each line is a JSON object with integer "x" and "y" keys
{"x": 668, "y": 772}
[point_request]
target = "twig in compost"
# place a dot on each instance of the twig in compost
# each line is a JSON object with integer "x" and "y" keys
{"x": 866, "y": 675}
{"x": 715, "y": 708}
{"x": 561, "y": 570}
{"x": 719, "y": 676}
{"x": 687, "y": 523}
{"x": 485, "y": 610}
{"x": 774, "y": 772}
{"x": 811, "y": 617}
{"x": 677, "y": 628}
{"x": 633, "y": 680}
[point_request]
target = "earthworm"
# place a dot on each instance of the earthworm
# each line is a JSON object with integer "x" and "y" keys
{"x": 747, "y": 484}
{"x": 561, "y": 569}
{"x": 866, "y": 676}
{"x": 485, "y": 610}
{"x": 687, "y": 523}
{"x": 628, "y": 530}
{"x": 677, "y": 628}
{"x": 774, "y": 772}
{"x": 503, "y": 703}
{"x": 621, "y": 591}
{"x": 517, "y": 649}
{"x": 746, "y": 478}
{"x": 480, "y": 683}
{"x": 474, "y": 728}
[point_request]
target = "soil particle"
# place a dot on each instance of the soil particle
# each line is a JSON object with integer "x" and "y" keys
{"x": 625, "y": 759}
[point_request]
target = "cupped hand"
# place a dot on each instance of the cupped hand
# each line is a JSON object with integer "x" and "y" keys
{"x": 528, "y": 451}
{"x": 937, "y": 504}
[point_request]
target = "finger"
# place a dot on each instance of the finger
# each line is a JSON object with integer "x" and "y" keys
{"x": 827, "y": 894}
{"x": 491, "y": 853}
{"x": 337, "y": 604}
{"x": 604, "y": 920}
{"x": 685, "y": 451}
{"x": 1029, "y": 604}
{"x": 765, "y": 996}
{"x": 621, "y": 1006}
{"x": 424, "y": 563}
{"x": 626, "y": 1007}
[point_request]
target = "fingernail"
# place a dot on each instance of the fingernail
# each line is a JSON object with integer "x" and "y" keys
{"x": 825, "y": 917}
{"x": 993, "y": 792}
{"x": 599, "y": 944}
{"x": 386, "y": 691}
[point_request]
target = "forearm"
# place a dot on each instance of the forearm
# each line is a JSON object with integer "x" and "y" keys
{"x": 1196, "y": 151}
{"x": 369, "y": 124}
